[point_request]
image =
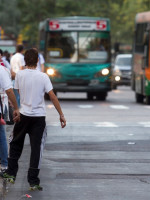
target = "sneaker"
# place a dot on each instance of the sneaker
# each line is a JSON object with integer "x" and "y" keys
{"x": 3, "y": 168}
{"x": 7, "y": 177}
{"x": 35, "y": 187}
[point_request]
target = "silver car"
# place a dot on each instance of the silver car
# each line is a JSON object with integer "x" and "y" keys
{"x": 121, "y": 74}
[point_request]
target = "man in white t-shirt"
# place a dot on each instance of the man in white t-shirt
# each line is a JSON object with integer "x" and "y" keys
{"x": 17, "y": 63}
{"x": 32, "y": 85}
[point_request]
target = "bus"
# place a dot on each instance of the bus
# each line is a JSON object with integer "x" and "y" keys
{"x": 140, "y": 80}
{"x": 77, "y": 54}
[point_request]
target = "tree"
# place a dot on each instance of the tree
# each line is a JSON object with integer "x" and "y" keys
{"x": 9, "y": 15}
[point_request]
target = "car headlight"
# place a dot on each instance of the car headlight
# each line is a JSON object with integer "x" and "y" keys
{"x": 105, "y": 72}
{"x": 117, "y": 78}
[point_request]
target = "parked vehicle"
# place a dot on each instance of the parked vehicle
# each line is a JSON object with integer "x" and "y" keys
{"x": 121, "y": 74}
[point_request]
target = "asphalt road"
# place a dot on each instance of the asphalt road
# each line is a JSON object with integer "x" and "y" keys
{"x": 102, "y": 154}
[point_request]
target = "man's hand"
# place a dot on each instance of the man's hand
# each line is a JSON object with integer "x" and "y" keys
{"x": 62, "y": 121}
{"x": 16, "y": 115}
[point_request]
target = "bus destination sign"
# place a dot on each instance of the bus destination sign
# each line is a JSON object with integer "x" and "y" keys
{"x": 77, "y": 25}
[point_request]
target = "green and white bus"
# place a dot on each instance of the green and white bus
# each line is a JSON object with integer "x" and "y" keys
{"x": 141, "y": 58}
{"x": 77, "y": 52}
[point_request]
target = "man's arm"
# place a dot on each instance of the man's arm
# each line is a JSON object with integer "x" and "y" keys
{"x": 12, "y": 98}
{"x": 58, "y": 108}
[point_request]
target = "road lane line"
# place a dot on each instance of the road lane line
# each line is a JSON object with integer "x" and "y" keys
{"x": 85, "y": 106}
{"x": 105, "y": 124}
{"x": 121, "y": 107}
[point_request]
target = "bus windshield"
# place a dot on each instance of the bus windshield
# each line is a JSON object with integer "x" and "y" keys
{"x": 85, "y": 47}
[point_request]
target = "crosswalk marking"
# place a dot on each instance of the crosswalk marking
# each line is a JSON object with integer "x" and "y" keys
{"x": 105, "y": 124}
{"x": 145, "y": 124}
{"x": 119, "y": 107}
{"x": 85, "y": 106}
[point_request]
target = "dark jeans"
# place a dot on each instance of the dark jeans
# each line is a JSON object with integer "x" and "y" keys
{"x": 36, "y": 128}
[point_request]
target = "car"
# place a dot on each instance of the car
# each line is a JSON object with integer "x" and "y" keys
{"x": 121, "y": 74}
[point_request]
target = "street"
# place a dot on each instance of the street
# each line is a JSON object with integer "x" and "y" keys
{"x": 103, "y": 153}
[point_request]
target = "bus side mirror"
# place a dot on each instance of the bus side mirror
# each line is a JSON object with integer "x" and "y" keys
{"x": 145, "y": 38}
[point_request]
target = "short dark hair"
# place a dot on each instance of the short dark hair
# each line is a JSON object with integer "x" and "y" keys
{"x": 31, "y": 57}
{"x": 1, "y": 52}
{"x": 20, "y": 48}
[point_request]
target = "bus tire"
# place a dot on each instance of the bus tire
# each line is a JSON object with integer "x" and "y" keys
{"x": 101, "y": 96}
{"x": 148, "y": 100}
{"x": 139, "y": 98}
{"x": 90, "y": 96}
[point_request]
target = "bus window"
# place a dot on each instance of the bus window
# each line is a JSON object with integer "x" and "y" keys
{"x": 93, "y": 47}
{"x": 61, "y": 46}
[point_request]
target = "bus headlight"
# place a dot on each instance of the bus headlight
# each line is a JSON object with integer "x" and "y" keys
{"x": 105, "y": 72}
{"x": 50, "y": 72}
{"x": 53, "y": 73}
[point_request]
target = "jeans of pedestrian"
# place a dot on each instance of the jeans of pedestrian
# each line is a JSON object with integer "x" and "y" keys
{"x": 3, "y": 146}
{"x": 3, "y": 143}
{"x": 17, "y": 97}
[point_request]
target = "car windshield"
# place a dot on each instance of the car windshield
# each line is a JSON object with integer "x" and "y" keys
{"x": 78, "y": 47}
{"x": 124, "y": 61}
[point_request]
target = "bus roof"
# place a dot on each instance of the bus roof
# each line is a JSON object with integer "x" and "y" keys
{"x": 142, "y": 17}
{"x": 79, "y": 23}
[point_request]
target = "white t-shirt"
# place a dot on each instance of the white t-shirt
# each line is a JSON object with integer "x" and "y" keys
{"x": 17, "y": 61}
{"x": 5, "y": 81}
{"x": 6, "y": 63}
{"x": 32, "y": 85}
{"x": 41, "y": 61}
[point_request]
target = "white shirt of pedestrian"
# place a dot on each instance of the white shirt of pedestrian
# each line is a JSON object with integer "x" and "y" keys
{"x": 17, "y": 61}
{"x": 32, "y": 85}
{"x": 40, "y": 62}
{"x": 5, "y": 81}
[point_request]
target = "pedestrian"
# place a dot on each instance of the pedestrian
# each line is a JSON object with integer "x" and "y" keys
{"x": 17, "y": 63}
{"x": 3, "y": 60}
{"x": 41, "y": 61}
{"x": 5, "y": 108}
{"x": 5, "y": 84}
{"x": 32, "y": 85}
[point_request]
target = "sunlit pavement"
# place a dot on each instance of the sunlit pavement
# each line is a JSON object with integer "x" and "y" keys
{"x": 103, "y": 153}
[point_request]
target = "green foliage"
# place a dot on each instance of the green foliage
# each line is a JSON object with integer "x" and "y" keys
{"x": 9, "y": 17}
{"x": 24, "y": 15}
